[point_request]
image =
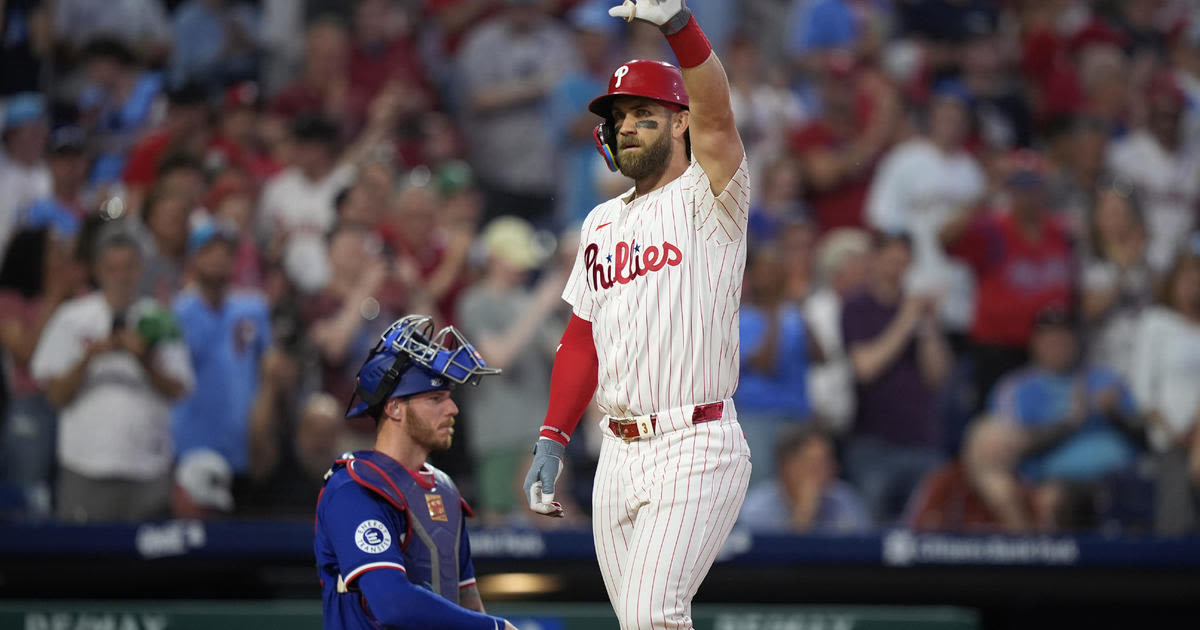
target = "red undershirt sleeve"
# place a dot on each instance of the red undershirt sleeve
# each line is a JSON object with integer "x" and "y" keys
{"x": 572, "y": 382}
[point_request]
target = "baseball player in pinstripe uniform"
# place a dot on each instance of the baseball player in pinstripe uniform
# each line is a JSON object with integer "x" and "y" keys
{"x": 654, "y": 331}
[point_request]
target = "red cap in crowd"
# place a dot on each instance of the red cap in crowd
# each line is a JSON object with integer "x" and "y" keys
{"x": 1164, "y": 91}
{"x": 238, "y": 95}
{"x": 1097, "y": 32}
{"x": 226, "y": 185}
{"x": 839, "y": 64}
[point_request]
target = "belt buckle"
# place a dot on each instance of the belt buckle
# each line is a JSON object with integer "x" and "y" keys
{"x": 643, "y": 425}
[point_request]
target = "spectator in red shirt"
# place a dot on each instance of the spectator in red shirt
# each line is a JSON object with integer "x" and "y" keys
{"x": 1022, "y": 261}
{"x": 420, "y": 229}
{"x": 980, "y": 492}
{"x": 381, "y": 50}
{"x": 383, "y": 54}
{"x": 324, "y": 86}
{"x": 838, "y": 151}
{"x": 238, "y": 142}
{"x": 1086, "y": 72}
{"x": 184, "y": 130}
{"x": 346, "y": 317}
{"x": 454, "y": 18}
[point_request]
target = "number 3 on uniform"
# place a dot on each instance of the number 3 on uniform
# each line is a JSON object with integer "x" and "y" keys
{"x": 645, "y": 428}
{"x": 620, "y": 75}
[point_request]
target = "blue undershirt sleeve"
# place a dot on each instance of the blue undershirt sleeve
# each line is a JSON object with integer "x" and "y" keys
{"x": 401, "y": 605}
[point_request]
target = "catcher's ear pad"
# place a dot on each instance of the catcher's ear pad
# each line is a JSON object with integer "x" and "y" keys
{"x": 606, "y": 144}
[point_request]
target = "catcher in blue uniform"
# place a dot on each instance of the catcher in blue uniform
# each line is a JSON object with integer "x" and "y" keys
{"x": 392, "y": 551}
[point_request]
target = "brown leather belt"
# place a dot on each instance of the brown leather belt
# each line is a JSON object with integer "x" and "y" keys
{"x": 630, "y": 429}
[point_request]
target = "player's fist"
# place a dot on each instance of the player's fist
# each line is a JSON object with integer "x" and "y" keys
{"x": 668, "y": 15}
{"x": 543, "y": 472}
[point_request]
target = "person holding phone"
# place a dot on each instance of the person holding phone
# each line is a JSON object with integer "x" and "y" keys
{"x": 111, "y": 365}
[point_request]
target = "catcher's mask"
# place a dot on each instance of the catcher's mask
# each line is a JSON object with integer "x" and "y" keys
{"x": 411, "y": 359}
{"x": 656, "y": 80}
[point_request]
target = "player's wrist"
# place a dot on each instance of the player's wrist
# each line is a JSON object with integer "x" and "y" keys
{"x": 554, "y": 434}
{"x": 688, "y": 42}
{"x": 550, "y": 446}
{"x": 676, "y": 23}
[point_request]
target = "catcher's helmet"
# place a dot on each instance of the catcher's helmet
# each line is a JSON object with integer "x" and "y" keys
{"x": 411, "y": 359}
{"x": 658, "y": 80}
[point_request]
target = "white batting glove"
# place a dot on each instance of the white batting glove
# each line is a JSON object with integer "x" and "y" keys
{"x": 668, "y": 15}
{"x": 543, "y": 472}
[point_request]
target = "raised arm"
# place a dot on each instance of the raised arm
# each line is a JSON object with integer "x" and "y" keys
{"x": 715, "y": 141}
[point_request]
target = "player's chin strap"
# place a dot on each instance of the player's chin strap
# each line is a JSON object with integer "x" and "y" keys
{"x": 606, "y": 144}
{"x": 377, "y": 397}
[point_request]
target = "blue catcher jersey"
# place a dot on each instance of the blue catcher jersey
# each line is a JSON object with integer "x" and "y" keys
{"x": 374, "y": 514}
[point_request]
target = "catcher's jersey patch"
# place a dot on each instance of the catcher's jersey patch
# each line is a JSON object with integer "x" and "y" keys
{"x": 372, "y": 536}
{"x": 437, "y": 509}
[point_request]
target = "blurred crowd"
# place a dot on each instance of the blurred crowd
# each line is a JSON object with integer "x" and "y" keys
{"x": 972, "y": 297}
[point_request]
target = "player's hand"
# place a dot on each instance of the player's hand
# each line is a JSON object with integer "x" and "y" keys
{"x": 668, "y": 15}
{"x": 543, "y": 472}
{"x": 508, "y": 626}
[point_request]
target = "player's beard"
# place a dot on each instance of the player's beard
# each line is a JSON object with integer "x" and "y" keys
{"x": 424, "y": 431}
{"x": 651, "y": 160}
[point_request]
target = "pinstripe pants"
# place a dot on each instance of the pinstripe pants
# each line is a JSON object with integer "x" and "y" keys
{"x": 661, "y": 509}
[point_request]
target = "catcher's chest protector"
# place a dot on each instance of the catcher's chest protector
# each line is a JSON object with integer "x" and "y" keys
{"x": 433, "y": 509}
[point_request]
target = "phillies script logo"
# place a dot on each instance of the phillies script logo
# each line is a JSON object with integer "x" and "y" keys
{"x": 627, "y": 262}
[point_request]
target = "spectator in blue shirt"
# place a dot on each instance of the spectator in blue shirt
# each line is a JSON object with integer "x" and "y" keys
{"x": 777, "y": 347}
{"x": 228, "y": 333}
{"x": 578, "y": 192}
{"x": 720, "y": 18}
{"x": 822, "y": 25}
{"x": 1080, "y": 420}
{"x": 65, "y": 208}
{"x": 805, "y": 496}
{"x": 117, "y": 104}
{"x": 216, "y": 42}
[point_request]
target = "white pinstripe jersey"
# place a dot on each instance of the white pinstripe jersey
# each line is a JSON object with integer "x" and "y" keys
{"x": 660, "y": 279}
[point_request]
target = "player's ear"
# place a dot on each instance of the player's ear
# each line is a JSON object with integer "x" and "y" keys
{"x": 394, "y": 408}
{"x": 679, "y": 122}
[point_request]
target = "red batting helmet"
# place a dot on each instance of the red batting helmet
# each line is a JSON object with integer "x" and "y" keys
{"x": 642, "y": 77}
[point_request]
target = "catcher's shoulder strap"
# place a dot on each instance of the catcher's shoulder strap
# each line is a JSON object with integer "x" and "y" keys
{"x": 366, "y": 469}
